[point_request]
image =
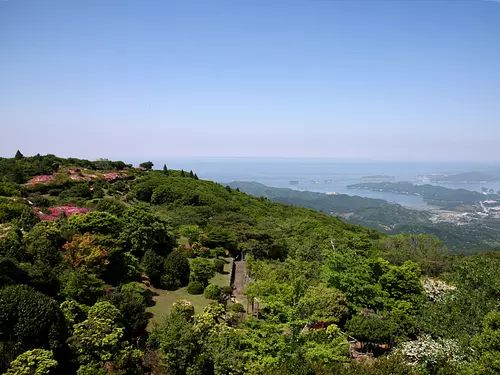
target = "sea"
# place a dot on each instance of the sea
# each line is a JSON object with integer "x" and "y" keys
{"x": 325, "y": 175}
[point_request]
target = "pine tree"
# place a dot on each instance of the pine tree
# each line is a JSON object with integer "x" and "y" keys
{"x": 182, "y": 173}
{"x": 196, "y": 178}
{"x": 19, "y": 155}
{"x": 165, "y": 170}
{"x": 191, "y": 174}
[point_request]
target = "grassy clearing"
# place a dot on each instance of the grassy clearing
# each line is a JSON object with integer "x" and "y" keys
{"x": 164, "y": 299}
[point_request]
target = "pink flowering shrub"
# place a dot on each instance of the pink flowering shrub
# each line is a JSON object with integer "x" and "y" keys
{"x": 55, "y": 212}
{"x": 42, "y": 179}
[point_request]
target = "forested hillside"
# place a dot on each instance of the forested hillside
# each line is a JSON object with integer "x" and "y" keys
{"x": 91, "y": 253}
{"x": 478, "y": 235}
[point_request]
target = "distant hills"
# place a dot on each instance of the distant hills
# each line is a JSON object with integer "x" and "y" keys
{"x": 388, "y": 217}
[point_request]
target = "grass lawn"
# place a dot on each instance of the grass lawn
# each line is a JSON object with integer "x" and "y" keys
{"x": 164, "y": 299}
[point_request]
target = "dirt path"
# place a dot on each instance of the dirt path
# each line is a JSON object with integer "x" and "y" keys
{"x": 240, "y": 280}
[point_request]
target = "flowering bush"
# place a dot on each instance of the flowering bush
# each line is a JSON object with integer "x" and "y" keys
{"x": 42, "y": 179}
{"x": 427, "y": 352}
{"x": 436, "y": 290}
{"x": 56, "y": 212}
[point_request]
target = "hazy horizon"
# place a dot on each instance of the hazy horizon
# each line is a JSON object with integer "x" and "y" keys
{"x": 408, "y": 81}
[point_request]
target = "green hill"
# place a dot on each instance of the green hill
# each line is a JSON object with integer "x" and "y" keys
{"x": 93, "y": 252}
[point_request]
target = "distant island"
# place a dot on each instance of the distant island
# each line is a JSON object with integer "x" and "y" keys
{"x": 465, "y": 177}
{"x": 378, "y": 178}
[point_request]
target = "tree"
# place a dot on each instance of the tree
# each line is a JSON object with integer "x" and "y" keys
{"x": 81, "y": 286}
{"x": 183, "y": 174}
{"x": 142, "y": 230}
{"x": 29, "y": 320}
{"x": 488, "y": 344}
{"x": 191, "y": 174}
{"x": 322, "y": 304}
{"x": 43, "y": 243}
{"x": 165, "y": 170}
{"x": 94, "y": 222}
{"x": 147, "y": 165}
{"x": 176, "y": 271}
{"x": 177, "y": 343}
{"x": 33, "y": 362}
{"x": 18, "y": 155}
{"x": 100, "y": 339}
{"x": 153, "y": 265}
{"x": 202, "y": 270}
{"x": 131, "y": 302}
{"x": 212, "y": 291}
{"x": 84, "y": 251}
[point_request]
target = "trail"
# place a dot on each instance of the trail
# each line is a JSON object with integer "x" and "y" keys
{"x": 240, "y": 280}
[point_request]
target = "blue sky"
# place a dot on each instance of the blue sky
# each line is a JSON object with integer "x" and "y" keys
{"x": 379, "y": 80}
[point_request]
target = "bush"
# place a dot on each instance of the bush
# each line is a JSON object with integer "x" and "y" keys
{"x": 220, "y": 252}
{"x": 212, "y": 291}
{"x": 185, "y": 308}
{"x": 195, "y": 287}
{"x": 176, "y": 271}
{"x": 55, "y": 192}
{"x": 235, "y": 307}
{"x": 219, "y": 265}
{"x": 202, "y": 270}
{"x": 227, "y": 289}
{"x": 154, "y": 266}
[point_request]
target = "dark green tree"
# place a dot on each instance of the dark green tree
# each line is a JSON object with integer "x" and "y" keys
{"x": 176, "y": 271}
{"x": 153, "y": 265}
{"x": 147, "y": 165}
{"x": 165, "y": 170}
{"x": 29, "y": 320}
{"x": 18, "y": 155}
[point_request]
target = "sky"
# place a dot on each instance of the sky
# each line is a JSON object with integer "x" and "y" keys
{"x": 415, "y": 80}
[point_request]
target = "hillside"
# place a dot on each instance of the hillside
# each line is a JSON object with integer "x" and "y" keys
{"x": 93, "y": 252}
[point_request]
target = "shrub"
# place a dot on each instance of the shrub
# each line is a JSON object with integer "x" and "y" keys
{"x": 212, "y": 291}
{"x": 55, "y": 192}
{"x": 185, "y": 308}
{"x": 195, "y": 287}
{"x": 154, "y": 266}
{"x": 202, "y": 270}
{"x": 219, "y": 265}
{"x": 227, "y": 289}
{"x": 176, "y": 270}
{"x": 235, "y": 307}
{"x": 220, "y": 252}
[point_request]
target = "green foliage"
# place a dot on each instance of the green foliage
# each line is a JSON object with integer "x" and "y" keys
{"x": 33, "y": 362}
{"x": 219, "y": 265}
{"x": 177, "y": 343}
{"x": 185, "y": 308}
{"x": 487, "y": 343}
{"x": 195, "y": 287}
{"x": 94, "y": 222}
{"x": 8, "y": 189}
{"x": 202, "y": 270}
{"x": 132, "y": 305}
{"x": 11, "y": 273}
{"x": 81, "y": 286}
{"x": 153, "y": 265}
{"x": 146, "y": 165}
{"x": 371, "y": 328}
{"x": 29, "y": 320}
{"x": 111, "y": 205}
{"x": 80, "y": 190}
{"x": 177, "y": 271}
{"x": 320, "y": 303}
{"x": 212, "y": 291}
{"x": 123, "y": 267}
{"x": 11, "y": 244}
{"x": 100, "y": 339}
{"x": 142, "y": 230}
